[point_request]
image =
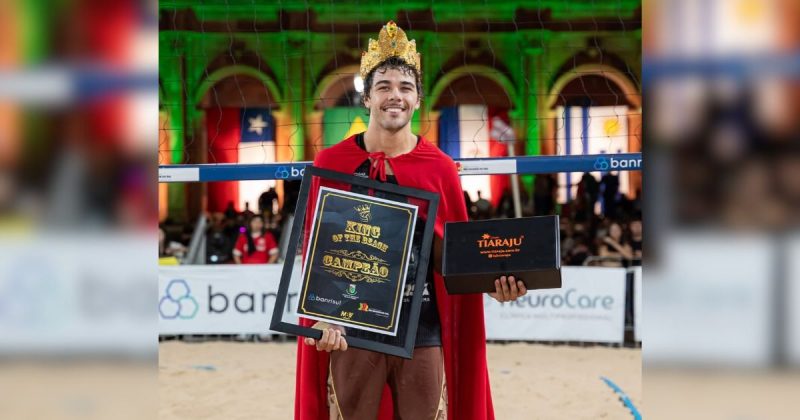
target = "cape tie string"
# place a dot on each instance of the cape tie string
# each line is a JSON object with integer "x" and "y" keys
{"x": 378, "y": 166}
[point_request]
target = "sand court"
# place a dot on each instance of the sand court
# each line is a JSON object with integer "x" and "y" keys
{"x": 233, "y": 380}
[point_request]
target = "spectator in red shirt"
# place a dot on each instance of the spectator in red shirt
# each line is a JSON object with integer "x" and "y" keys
{"x": 256, "y": 245}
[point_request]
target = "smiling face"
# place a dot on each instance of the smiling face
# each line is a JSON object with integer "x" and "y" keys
{"x": 392, "y": 98}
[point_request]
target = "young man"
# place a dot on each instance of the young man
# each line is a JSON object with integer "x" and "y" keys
{"x": 447, "y": 377}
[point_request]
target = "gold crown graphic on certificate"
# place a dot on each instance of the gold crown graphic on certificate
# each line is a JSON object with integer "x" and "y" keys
{"x": 392, "y": 42}
{"x": 364, "y": 212}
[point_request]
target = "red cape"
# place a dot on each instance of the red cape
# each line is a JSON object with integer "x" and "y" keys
{"x": 461, "y": 316}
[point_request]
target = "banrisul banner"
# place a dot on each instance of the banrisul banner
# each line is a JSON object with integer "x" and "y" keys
{"x": 219, "y": 299}
{"x": 240, "y": 299}
{"x": 589, "y": 307}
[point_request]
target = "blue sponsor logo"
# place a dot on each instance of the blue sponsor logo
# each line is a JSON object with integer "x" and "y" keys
{"x": 282, "y": 172}
{"x": 601, "y": 164}
{"x": 286, "y": 172}
{"x": 605, "y": 164}
{"x": 178, "y": 301}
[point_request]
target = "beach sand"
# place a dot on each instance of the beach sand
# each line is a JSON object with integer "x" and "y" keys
{"x": 233, "y": 380}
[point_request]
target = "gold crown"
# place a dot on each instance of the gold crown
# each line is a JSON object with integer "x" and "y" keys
{"x": 364, "y": 212}
{"x": 392, "y": 42}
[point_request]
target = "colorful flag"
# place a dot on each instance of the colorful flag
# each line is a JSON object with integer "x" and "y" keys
{"x": 476, "y": 131}
{"x": 590, "y": 131}
{"x": 342, "y": 122}
{"x": 239, "y": 135}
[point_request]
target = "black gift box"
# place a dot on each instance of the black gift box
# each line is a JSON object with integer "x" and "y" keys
{"x": 475, "y": 253}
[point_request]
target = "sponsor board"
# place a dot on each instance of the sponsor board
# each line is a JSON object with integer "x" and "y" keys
{"x": 240, "y": 299}
{"x": 590, "y": 306}
{"x": 217, "y": 299}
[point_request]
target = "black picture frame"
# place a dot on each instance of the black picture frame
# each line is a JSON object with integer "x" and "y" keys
{"x": 278, "y": 324}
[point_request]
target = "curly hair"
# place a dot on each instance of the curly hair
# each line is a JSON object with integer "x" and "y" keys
{"x": 393, "y": 63}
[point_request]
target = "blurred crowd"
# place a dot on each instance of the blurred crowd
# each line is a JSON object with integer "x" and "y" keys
{"x": 249, "y": 236}
{"x": 599, "y": 226}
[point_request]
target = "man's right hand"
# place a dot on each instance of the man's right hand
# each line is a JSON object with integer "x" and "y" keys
{"x": 332, "y": 338}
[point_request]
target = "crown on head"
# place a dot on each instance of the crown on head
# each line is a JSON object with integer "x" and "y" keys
{"x": 392, "y": 42}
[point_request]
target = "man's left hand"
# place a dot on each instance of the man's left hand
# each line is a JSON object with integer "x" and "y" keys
{"x": 508, "y": 289}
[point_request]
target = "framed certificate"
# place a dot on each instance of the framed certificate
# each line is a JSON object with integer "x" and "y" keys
{"x": 357, "y": 259}
{"x": 358, "y": 256}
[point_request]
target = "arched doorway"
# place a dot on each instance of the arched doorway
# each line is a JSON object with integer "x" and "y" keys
{"x": 239, "y": 118}
{"x": 470, "y": 107}
{"x": 338, "y": 109}
{"x": 593, "y": 109}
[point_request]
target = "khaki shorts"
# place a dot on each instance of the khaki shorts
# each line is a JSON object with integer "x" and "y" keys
{"x": 357, "y": 377}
